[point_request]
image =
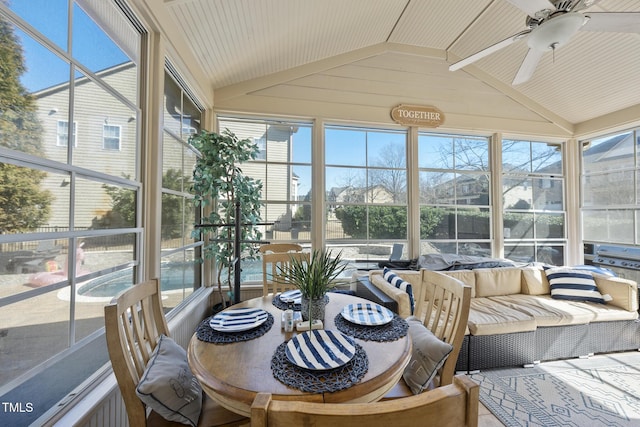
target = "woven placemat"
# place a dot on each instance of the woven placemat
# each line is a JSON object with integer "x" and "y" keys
{"x": 296, "y": 307}
{"x": 311, "y": 381}
{"x": 391, "y": 331}
{"x": 206, "y": 333}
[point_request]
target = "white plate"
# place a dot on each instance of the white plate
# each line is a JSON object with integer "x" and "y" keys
{"x": 367, "y": 314}
{"x": 293, "y": 296}
{"x": 320, "y": 349}
{"x": 238, "y": 319}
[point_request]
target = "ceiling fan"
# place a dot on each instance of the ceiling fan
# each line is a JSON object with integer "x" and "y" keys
{"x": 552, "y": 24}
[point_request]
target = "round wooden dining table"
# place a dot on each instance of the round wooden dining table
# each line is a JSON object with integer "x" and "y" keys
{"x": 232, "y": 374}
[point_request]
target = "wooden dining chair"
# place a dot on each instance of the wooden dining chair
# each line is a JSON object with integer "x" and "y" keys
{"x": 442, "y": 305}
{"x": 454, "y": 405}
{"x": 134, "y": 323}
{"x": 444, "y": 310}
{"x": 274, "y": 265}
{"x": 279, "y": 248}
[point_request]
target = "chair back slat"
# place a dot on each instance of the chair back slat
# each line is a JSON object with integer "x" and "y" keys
{"x": 127, "y": 324}
{"x": 452, "y": 405}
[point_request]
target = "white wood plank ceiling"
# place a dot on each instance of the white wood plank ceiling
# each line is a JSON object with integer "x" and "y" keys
{"x": 404, "y": 48}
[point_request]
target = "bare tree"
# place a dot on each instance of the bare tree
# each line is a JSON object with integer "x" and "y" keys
{"x": 472, "y": 155}
{"x": 389, "y": 174}
{"x": 350, "y": 187}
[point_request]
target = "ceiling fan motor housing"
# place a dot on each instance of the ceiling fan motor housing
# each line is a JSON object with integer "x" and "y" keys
{"x": 556, "y": 31}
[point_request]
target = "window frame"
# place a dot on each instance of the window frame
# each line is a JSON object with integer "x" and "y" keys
{"x": 619, "y": 220}
{"x": 75, "y": 383}
{"x": 453, "y": 210}
{"x": 365, "y": 196}
{"x": 183, "y": 251}
{"x": 536, "y": 248}
{"x": 287, "y": 229}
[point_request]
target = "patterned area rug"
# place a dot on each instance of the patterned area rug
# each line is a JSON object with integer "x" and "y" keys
{"x": 602, "y": 390}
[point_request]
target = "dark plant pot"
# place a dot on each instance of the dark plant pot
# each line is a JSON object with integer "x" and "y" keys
{"x": 313, "y": 307}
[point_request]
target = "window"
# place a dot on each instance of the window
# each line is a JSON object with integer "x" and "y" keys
{"x": 111, "y": 137}
{"x": 284, "y": 168}
{"x": 70, "y": 234}
{"x": 180, "y": 271}
{"x": 455, "y": 208}
{"x": 533, "y": 198}
{"x": 366, "y": 191}
{"x": 610, "y": 188}
{"x": 63, "y": 134}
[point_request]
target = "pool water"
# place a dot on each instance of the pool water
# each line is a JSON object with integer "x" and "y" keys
{"x": 173, "y": 275}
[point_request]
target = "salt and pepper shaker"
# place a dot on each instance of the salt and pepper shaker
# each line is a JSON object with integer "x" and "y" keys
{"x": 288, "y": 320}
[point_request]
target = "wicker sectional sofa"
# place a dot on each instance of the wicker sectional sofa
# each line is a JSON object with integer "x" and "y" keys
{"x": 513, "y": 320}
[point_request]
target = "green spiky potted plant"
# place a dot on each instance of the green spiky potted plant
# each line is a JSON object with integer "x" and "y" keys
{"x": 314, "y": 278}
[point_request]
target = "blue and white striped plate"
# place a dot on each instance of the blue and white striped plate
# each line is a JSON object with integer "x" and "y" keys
{"x": 293, "y": 296}
{"x": 369, "y": 314}
{"x": 238, "y": 319}
{"x": 319, "y": 349}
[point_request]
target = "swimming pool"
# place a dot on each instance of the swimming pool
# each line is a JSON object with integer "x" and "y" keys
{"x": 173, "y": 275}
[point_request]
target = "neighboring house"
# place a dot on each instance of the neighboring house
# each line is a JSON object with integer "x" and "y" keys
{"x": 103, "y": 137}
{"x": 517, "y": 192}
{"x": 602, "y": 165}
{"x": 372, "y": 194}
{"x": 464, "y": 190}
{"x": 272, "y": 167}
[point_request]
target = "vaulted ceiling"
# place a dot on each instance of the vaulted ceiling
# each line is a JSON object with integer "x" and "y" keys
{"x": 375, "y": 53}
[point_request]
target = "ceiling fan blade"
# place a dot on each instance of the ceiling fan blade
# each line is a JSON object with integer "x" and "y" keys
{"x": 531, "y": 7}
{"x": 583, "y": 4}
{"x": 528, "y": 66}
{"x": 489, "y": 50}
{"x": 618, "y": 22}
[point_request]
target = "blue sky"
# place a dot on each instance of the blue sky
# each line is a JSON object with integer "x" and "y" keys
{"x": 45, "y": 69}
{"x": 346, "y": 148}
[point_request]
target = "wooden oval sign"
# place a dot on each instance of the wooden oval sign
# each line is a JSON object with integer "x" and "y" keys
{"x": 417, "y": 115}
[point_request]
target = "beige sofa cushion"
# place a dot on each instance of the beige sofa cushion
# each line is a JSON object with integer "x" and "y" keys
{"x": 487, "y": 317}
{"x": 605, "y": 312}
{"x": 534, "y": 281}
{"x": 623, "y": 291}
{"x": 498, "y": 281}
{"x": 546, "y": 310}
{"x": 468, "y": 277}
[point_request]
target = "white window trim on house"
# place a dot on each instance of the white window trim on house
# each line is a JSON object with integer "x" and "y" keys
{"x": 62, "y": 138}
{"x": 262, "y": 147}
{"x": 107, "y": 137}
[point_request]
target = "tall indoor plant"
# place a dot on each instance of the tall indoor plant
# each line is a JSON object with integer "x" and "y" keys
{"x": 219, "y": 183}
{"x": 314, "y": 278}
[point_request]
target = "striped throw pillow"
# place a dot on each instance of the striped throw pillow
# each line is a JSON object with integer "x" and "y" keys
{"x": 574, "y": 285}
{"x": 397, "y": 281}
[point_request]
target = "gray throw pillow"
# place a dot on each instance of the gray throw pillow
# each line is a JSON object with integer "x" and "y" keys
{"x": 429, "y": 354}
{"x": 168, "y": 386}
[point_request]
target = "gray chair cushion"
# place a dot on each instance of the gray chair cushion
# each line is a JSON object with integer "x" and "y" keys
{"x": 429, "y": 354}
{"x": 169, "y": 387}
